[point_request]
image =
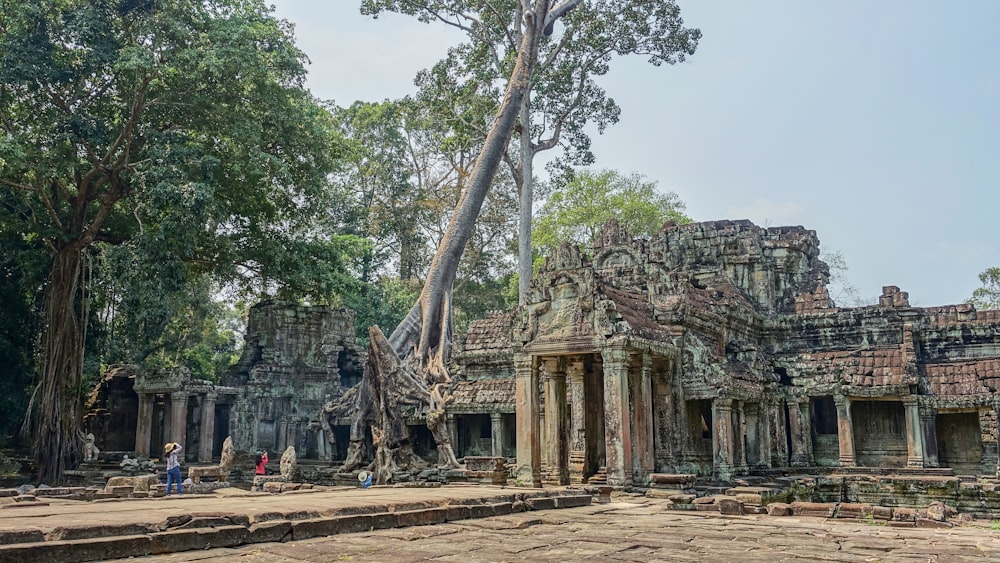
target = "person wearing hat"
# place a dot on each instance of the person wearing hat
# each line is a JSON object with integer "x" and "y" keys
{"x": 171, "y": 449}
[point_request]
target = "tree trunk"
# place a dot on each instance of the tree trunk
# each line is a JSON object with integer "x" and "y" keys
{"x": 423, "y": 338}
{"x": 526, "y": 201}
{"x": 57, "y": 446}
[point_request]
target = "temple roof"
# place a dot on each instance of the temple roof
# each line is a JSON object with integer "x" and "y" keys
{"x": 483, "y": 392}
{"x": 492, "y": 334}
{"x": 860, "y": 368}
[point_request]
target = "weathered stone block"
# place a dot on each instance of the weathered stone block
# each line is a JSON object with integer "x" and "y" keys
{"x": 820, "y": 509}
{"x": 459, "y": 512}
{"x": 20, "y": 536}
{"x": 273, "y": 531}
{"x": 573, "y": 501}
{"x": 198, "y": 538}
{"x": 64, "y": 551}
{"x": 882, "y": 512}
{"x": 929, "y": 523}
{"x": 541, "y": 503}
{"x": 422, "y": 517}
{"x": 853, "y": 510}
{"x": 86, "y": 531}
{"x": 779, "y": 509}
{"x": 730, "y": 506}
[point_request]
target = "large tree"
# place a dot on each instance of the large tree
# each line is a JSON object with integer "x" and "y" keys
{"x": 179, "y": 124}
{"x": 423, "y": 339}
{"x": 563, "y": 96}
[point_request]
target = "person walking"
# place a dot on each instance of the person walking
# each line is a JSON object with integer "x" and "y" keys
{"x": 261, "y": 463}
{"x": 171, "y": 449}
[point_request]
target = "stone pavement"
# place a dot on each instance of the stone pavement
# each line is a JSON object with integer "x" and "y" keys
{"x": 61, "y": 530}
{"x": 628, "y": 529}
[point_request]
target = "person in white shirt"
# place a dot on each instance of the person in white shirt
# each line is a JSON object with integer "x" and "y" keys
{"x": 171, "y": 449}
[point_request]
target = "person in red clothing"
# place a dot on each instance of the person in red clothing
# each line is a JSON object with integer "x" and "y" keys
{"x": 261, "y": 462}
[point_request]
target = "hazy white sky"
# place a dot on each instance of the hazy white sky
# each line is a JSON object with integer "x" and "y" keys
{"x": 877, "y": 124}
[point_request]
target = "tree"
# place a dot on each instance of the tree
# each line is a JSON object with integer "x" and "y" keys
{"x": 563, "y": 96}
{"x": 178, "y": 126}
{"x": 423, "y": 339}
{"x": 987, "y": 297}
{"x": 577, "y": 211}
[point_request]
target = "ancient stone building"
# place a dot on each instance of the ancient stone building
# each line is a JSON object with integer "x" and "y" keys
{"x": 295, "y": 358}
{"x": 714, "y": 349}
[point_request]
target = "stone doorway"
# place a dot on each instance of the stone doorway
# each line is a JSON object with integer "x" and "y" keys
{"x": 825, "y": 437}
{"x": 879, "y": 433}
{"x": 959, "y": 441}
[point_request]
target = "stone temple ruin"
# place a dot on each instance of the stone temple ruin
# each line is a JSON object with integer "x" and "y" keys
{"x": 711, "y": 350}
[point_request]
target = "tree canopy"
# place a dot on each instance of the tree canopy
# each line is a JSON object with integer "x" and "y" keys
{"x": 987, "y": 296}
{"x": 178, "y": 128}
{"x": 577, "y": 210}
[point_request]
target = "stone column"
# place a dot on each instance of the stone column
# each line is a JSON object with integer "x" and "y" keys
{"x": 642, "y": 422}
{"x": 528, "y": 471}
{"x": 805, "y": 408}
{"x": 739, "y": 438}
{"x": 144, "y": 425}
{"x": 617, "y": 418}
{"x": 496, "y": 433}
{"x": 800, "y": 432}
{"x": 555, "y": 446}
{"x": 453, "y": 433}
{"x": 777, "y": 415}
{"x": 752, "y": 425}
{"x": 207, "y": 437}
{"x": 845, "y": 431}
{"x": 928, "y": 425}
{"x": 722, "y": 438}
{"x": 577, "y": 424}
{"x": 914, "y": 433}
{"x": 178, "y": 418}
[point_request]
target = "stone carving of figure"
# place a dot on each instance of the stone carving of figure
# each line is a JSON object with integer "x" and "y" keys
{"x": 90, "y": 450}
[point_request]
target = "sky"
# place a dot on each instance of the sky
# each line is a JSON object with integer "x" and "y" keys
{"x": 876, "y": 124}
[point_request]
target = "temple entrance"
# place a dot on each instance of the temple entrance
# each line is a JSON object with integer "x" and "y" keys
{"x": 879, "y": 433}
{"x": 959, "y": 441}
{"x": 826, "y": 440}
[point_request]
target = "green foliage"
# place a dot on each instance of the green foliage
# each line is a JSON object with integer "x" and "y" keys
{"x": 987, "y": 297}
{"x": 382, "y": 304}
{"x": 577, "y": 210}
{"x": 180, "y": 133}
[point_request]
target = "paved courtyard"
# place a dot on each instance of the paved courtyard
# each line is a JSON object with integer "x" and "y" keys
{"x": 629, "y": 529}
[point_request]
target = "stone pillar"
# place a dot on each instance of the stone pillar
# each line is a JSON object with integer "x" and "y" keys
{"x": 144, "y": 425}
{"x": 800, "y": 432}
{"x": 722, "y": 439}
{"x": 739, "y": 438}
{"x": 928, "y": 426}
{"x": 453, "y": 433}
{"x": 577, "y": 418}
{"x": 577, "y": 424}
{"x": 617, "y": 417}
{"x": 642, "y": 422}
{"x": 845, "y": 431}
{"x": 914, "y": 432}
{"x": 528, "y": 471}
{"x": 178, "y": 418}
{"x": 207, "y": 437}
{"x": 555, "y": 446}
{"x": 777, "y": 410}
{"x": 496, "y": 433}
{"x": 754, "y": 448}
